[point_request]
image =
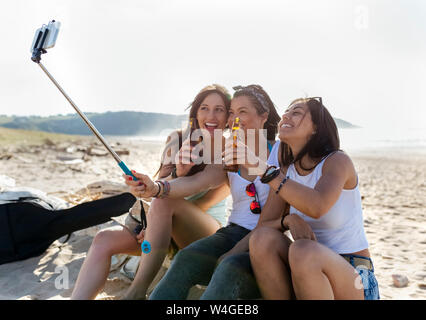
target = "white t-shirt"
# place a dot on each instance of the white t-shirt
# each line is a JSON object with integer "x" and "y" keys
{"x": 241, "y": 214}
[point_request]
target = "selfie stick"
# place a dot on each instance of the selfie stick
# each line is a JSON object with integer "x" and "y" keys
{"x": 89, "y": 124}
{"x": 38, "y": 50}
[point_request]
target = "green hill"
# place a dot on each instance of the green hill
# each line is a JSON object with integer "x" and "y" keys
{"x": 109, "y": 123}
{"x": 126, "y": 123}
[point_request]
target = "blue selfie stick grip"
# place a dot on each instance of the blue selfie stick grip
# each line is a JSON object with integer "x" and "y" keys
{"x": 126, "y": 170}
{"x": 146, "y": 247}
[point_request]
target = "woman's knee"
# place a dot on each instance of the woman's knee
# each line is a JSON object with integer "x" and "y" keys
{"x": 263, "y": 241}
{"x": 303, "y": 255}
{"x": 105, "y": 242}
{"x": 161, "y": 207}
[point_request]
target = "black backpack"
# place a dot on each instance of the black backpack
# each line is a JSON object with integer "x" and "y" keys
{"x": 27, "y": 229}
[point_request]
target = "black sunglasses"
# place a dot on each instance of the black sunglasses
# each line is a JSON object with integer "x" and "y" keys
{"x": 319, "y": 99}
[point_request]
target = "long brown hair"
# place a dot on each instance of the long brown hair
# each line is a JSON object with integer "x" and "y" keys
{"x": 324, "y": 141}
{"x": 195, "y": 105}
{"x": 263, "y": 103}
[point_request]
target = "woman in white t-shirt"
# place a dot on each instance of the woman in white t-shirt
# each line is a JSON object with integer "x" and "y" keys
{"x": 329, "y": 258}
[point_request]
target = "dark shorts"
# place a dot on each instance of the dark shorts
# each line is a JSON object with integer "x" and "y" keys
{"x": 369, "y": 281}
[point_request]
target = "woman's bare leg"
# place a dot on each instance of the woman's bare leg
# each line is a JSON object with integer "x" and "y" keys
{"x": 95, "y": 268}
{"x": 168, "y": 218}
{"x": 269, "y": 260}
{"x": 320, "y": 273}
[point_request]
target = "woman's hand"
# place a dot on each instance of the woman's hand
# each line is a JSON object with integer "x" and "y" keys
{"x": 299, "y": 228}
{"x": 144, "y": 187}
{"x": 141, "y": 236}
{"x": 237, "y": 152}
{"x": 183, "y": 159}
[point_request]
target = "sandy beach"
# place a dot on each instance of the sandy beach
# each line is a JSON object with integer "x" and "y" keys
{"x": 392, "y": 184}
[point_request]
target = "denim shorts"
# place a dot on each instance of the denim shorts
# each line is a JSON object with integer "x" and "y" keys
{"x": 369, "y": 281}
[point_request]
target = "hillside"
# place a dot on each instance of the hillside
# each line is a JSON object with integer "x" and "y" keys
{"x": 109, "y": 123}
{"x": 127, "y": 123}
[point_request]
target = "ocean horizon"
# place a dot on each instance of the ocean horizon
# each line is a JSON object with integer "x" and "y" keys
{"x": 354, "y": 139}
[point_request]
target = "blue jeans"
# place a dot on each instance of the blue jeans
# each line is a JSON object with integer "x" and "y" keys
{"x": 197, "y": 264}
{"x": 369, "y": 281}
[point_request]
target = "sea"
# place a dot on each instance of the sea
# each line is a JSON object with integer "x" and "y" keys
{"x": 389, "y": 140}
{"x": 360, "y": 140}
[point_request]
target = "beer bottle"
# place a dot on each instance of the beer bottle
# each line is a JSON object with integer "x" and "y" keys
{"x": 235, "y": 127}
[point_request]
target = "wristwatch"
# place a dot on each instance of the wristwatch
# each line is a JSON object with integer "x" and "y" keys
{"x": 270, "y": 173}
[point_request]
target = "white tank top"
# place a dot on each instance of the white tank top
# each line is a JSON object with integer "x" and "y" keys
{"x": 240, "y": 213}
{"x": 342, "y": 228}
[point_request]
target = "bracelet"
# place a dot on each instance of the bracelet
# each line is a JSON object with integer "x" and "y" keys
{"x": 281, "y": 184}
{"x": 282, "y": 223}
{"x": 166, "y": 188}
{"x": 159, "y": 189}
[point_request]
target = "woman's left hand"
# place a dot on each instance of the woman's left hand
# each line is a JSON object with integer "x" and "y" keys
{"x": 299, "y": 228}
{"x": 141, "y": 236}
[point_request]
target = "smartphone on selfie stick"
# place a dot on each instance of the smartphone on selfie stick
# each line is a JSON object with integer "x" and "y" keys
{"x": 45, "y": 38}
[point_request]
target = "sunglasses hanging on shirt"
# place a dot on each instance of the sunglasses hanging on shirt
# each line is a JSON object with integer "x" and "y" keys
{"x": 254, "y": 205}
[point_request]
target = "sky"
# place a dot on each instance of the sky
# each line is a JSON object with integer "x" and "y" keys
{"x": 367, "y": 59}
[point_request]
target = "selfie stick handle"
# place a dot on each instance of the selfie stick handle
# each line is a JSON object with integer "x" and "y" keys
{"x": 89, "y": 124}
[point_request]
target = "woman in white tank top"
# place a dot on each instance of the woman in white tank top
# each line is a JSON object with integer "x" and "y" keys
{"x": 329, "y": 258}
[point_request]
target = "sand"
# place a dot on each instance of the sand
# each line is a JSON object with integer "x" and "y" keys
{"x": 393, "y": 187}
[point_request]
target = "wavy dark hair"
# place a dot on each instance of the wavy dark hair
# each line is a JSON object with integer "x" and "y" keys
{"x": 195, "y": 105}
{"x": 263, "y": 103}
{"x": 324, "y": 141}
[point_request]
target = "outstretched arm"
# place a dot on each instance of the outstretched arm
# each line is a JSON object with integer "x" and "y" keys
{"x": 211, "y": 177}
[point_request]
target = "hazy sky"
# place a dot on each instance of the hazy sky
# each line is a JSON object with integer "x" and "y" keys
{"x": 367, "y": 59}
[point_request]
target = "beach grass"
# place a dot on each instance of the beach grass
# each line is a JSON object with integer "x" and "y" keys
{"x": 30, "y": 137}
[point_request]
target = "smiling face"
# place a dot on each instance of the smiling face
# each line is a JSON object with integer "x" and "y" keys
{"x": 296, "y": 124}
{"x": 243, "y": 108}
{"x": 212, "y": 113}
